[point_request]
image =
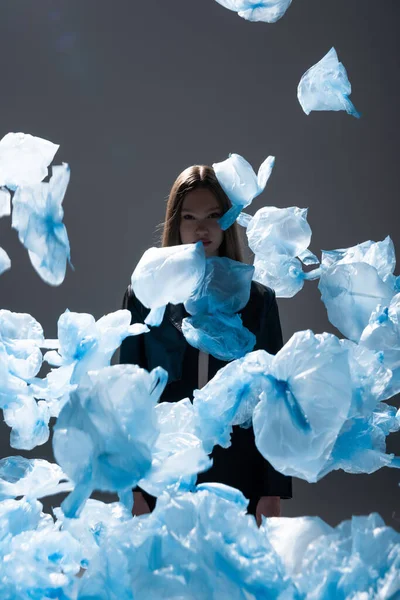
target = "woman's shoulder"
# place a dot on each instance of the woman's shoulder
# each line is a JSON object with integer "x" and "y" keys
{"x": 256, "y": 311}
{"x": 260, "y": 293}
{"x": 132, "y": 303}
{"x": 261, "y": 297}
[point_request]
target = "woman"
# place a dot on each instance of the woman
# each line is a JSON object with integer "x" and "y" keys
{"x": 195, "y": 204}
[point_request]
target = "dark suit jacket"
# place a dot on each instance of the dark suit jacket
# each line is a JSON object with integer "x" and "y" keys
{"x": 240, "y": 465}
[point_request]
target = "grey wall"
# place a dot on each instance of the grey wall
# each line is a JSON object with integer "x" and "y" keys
{"x": 136, "y": 91}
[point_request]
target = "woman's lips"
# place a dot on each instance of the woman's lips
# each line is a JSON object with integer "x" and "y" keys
{"x": 206, "y": 242}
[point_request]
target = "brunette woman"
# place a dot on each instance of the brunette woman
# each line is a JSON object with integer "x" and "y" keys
{"x": 195, "y": 204}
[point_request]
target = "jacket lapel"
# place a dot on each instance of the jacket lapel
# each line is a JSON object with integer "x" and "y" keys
{"x": 176, "y": 313}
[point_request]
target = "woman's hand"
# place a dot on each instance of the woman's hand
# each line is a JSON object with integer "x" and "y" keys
{"x": 269, "y": 506}
{"x": 140, "y": 506}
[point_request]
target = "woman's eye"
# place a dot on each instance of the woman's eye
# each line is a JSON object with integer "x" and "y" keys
{"x": 187, "y": 217}
{"x": 215, "y": 215}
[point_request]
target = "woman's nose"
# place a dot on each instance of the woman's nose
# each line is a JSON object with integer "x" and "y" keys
{"x": 201, "y": 226}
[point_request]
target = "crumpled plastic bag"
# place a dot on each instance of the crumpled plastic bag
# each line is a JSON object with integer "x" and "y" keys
{"x": 83, "y": 344}
{"x": 215, "y": 327}
{"x": 279, "y": 237}
{"x": 5, "y": 261}
{"x": 24, "y": 159}
{"x": 168, "y": 275}
{"x": 229, "y": 398}
{"x": 321, "y": 409}
{"x": 219, "y": 334}
{"x": 268, "y": 11}
{"x": 325, "y": 86}
{"x": 308, "y": 399}
{"x": 5, "y": 203}
{"x": 105, "y": 432}
{"x": 40, "y": 564}
{"x": 178, "y": 454}
{"x": 37, "y": 216}
{"x": 353, "y": 281}
{"x": 95, "y": 520}
{"x": 361, "y": 444}
{"x": 21, "y": 338}
{"x": 225, "y": 287}
{"x": 31, "y": 477}
{"x": 360, "y": 558}
{"x": 240, "y": 183}
{"x": 382, "y": 335}
{"x": 195, "y": 546}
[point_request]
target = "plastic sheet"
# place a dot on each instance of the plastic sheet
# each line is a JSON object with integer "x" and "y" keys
{"x": 382, "y": 335}
{"x": 325, "y": 86}
{"x": 5, "y": 261}
{"x": 178, "y": 453}
{"x": 301, "y": 413}
{"x": 219, "y": 334}
{"x": 37, "y": 216}
{"x": 278, "y": 236}
{"x": 5, "y": 203}
{"x": 31, "y": 477}
{"x": 360, "y": 558}
{"x": 104, "y": 434}
{"x": 229, "y": 398}
{"x": 24, "y": 159}
{"x": 240, "y": 183}
{"x": 215, "y": 327}
{"x": 268, "y": 11}
{"x": 198, "y": 546}
{"x": 354, "y": 281}
{"x": 168, "y": 275}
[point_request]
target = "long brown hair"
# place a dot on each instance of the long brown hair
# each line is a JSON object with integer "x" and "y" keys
{"x": 193, "y": 178}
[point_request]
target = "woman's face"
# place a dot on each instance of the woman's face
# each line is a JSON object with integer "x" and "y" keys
{"x": 199, "y": 220}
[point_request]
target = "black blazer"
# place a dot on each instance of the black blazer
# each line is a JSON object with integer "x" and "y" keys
{"x": 240, "y": 465}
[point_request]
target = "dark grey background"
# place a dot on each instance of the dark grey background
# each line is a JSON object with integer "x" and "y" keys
{"x": 136, "y": 91}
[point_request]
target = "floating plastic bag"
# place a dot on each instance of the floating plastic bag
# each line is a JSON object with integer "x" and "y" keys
{"x": 325, "y": 86}
{"x": 239, "y": 182}
{"x": 168, "y": 275}
{"x": 268, "y": 11}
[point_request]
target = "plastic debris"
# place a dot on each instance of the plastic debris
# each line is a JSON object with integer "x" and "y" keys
{"x": 195, "y": 545}
{"x": 360, "y": 558}
{"x": 178, "y": 453}
{"x": 40, "y": 564}
{"x": 268, "y": 11}
{"x": 22, "y": 337}
{"x": 215, "y": 327}
{"x": 5, "y": 203}
{"x": 5, "y": 261}
{"x": 104, "y": 433}
{"x": 86, "y": 344}
{"x": 382, "y": 335}
{"x": 24, "y": 159}
{"x": 229, "y": 398}
{"x": 308, "y": 399}
{"x": 221, "y": 335}
{"x": 225, "y": 287}
{"x": 240, "y": 183}
{"x": 31, "y": 477}
{"x": 95, "y": 521}
{"x": 279, "y": 237}
{"x": 168, "y": 275}
{"x": 37, "y": 216}
{"x": 361, "y": 445}
{"x": 29, "y": 421}
{"x": 325, "y": 86}
{"x": 353, "y": 281}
